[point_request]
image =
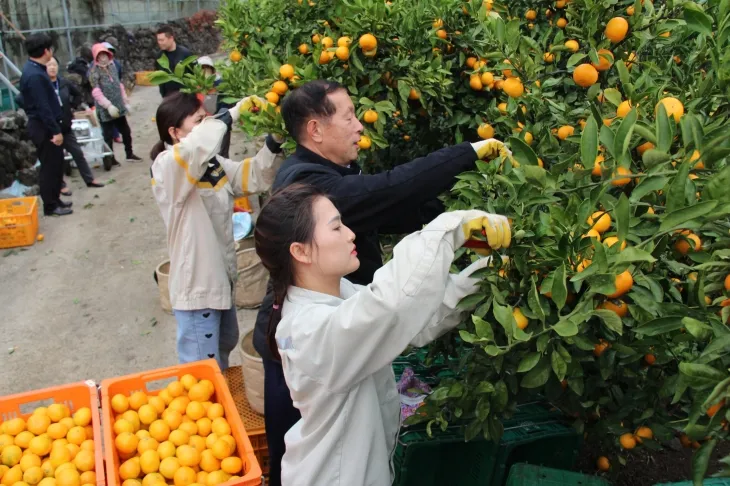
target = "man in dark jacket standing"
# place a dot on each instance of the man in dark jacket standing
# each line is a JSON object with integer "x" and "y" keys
{"x": 174, "y": 54}
{"x": 44, "y": 122}
{"x": 320, "y": 116}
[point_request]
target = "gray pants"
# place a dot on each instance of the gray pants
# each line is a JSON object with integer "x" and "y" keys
{"x": 205, "y": 334}
{"x": 71, "y": 145}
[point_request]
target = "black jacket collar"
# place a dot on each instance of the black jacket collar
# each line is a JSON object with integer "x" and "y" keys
{"x": 304, "y": 154}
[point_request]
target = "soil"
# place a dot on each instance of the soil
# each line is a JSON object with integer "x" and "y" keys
{"x": 645, "y": 467}
{"x": 83, "y": 303}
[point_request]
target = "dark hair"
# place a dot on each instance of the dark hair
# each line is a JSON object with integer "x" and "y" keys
{"x": 85, "y": 53}
{"x": 36, "y": 44}
{"x": 286, "y": 218}
{"x": 165, "y": 29}
{"x": 306, "y": 102}
{"x": 172, "y": 112}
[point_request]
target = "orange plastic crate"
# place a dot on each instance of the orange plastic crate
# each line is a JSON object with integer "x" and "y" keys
{"x": 208, "y": 370}
{"x": 18, "y": 221}
{"x": 74, "y": 396}
{"x": 253, "y": 422}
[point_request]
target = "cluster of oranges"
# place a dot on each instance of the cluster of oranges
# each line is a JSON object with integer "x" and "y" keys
{"x": 49, "y": 448}
{"x": 177, "y": 437}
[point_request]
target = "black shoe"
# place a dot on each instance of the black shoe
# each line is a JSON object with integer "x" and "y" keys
{"x": 59, "y": 211}
{"x": 108, "y": 161}
{"x": 94, "y": 184}
{"x": 64, "y": 204}
{"x": 133, "y": 158}
{"x": 68, "y": 193}
{"x": 116, "y": 162}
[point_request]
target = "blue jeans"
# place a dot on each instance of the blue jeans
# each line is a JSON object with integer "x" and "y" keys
{"x": 205, "y": 334}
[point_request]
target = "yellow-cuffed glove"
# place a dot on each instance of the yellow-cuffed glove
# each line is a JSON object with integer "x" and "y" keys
{"x": 493, "y": 226}
{"x": 247, "y": 104}
{"x": 491, "y": 148}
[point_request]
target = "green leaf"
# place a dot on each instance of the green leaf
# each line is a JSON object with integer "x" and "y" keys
{"x": 701, "y": 460}
{"x": 538, "y": 376}
{"x": 613, "y": 96}
{"x": 623, "y": 135}
{"x": 607, "y": 138}
{"x": 663, "y": 130}
{"x": 500, "y": 399}
{"x": 559, "y": 289}
{"x": 483, "y": 328}
{"x": 560, "y": 367}
{"x": 660, "y": 326}
{"x": 610, "y": 319}
{"x": 528, "y": 362}
{"x": 589, "y": 143}
{"x": 576, "y": 384}
{"x": 634, "y": 254}
{"x": 696, "y": 328}
{"x": 533, "y": 300}
{"x": 623, "y": 73}
{"x": 622, "y": 215}
{"x": 701, "y": 374}
{"x": 470, "y": 302}
{"x": 535, "y": 174}
{"x": 566, "y": 328}
{"x": 484, "y": 387}
{"x": 697, "y": 20}
{"x": 654, "y": 157}
{"x": 647, "y": 185}
{"x": 677, "y": 218}
{"x": 717, "y": 187}
{"x": 164, "y": 62}
{"x": 522, "y": 152}
{"x": 676, "y": 194}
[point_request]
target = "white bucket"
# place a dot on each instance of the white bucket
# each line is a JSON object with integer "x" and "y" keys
{"x": 162, "y": 272}
{"x": 252, "y": 368}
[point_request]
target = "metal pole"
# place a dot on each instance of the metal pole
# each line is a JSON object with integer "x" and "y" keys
{"x": 68, "y": 31}
{"x": 7, "y": 83}
{"x": 198, "y": 4}
{"x": 5, "y": 68}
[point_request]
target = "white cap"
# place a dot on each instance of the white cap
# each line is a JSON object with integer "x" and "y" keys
{"x": 206, "y": 61}
{"x": 108, "y": 46}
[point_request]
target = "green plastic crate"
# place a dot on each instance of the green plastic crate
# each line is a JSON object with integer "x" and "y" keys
{"x": 706, "y": 482}
{"x": 531, "y": 475}
{"x": 448, "y": 459}
{"x": 549, "y": 444}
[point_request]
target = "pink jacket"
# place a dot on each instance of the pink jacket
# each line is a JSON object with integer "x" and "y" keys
{"x": 97, "y": 93}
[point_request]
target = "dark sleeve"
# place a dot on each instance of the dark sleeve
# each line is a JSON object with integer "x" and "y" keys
{"x": 76, "y": 98}
{"x": 37, "y": 99}
{"x": 369, "y": 201}
{"x": 412, "y": 218}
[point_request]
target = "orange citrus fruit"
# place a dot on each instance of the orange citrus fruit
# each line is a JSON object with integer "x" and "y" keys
{"x": 585, "y": 75}
{"x": 616, "y": 29}
{"x": 624, "y": 281}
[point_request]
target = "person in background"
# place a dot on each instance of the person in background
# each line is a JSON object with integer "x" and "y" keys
{"x": 44, "y": 122}
{"x": 78, "y": 72}
{"x": 70, "y": 98}
{"x": 195, "y": 189}
{"x": 337, "y": 340}
{"x": 111, "y": 101}
{"x": 208, "y": 67}
{"x": 174, "y": 54}
{"x": 118, "y": 64}
{"x": 320, "y": 116}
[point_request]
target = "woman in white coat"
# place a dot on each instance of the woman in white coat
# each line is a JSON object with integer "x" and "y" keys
{"x": 337, "y": 340}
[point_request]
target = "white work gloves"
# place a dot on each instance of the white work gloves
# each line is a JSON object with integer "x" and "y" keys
{"x": 494, "y": 227}
{"x": 491, "y": 148}
{"x": 128, "y": 108}
{"x": 113, "y": 111}
{"x": 464, "y": 281}
{"x": 247, "y": 104}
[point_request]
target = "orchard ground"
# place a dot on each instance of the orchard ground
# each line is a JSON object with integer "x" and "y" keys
{"x": 83, "y": 304}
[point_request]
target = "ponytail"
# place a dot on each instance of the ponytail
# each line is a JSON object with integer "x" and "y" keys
{"x": 157, "y": 149}
{"x": 286, "y": 218}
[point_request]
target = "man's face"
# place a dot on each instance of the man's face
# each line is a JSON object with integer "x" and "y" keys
{"x": 337, "y": 136}
{"x": 165, "y": 42}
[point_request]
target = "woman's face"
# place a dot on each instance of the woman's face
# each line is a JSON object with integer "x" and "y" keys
{"x": 52, "y": 68}
{"x": 102, "y": 59}
{"x": 332, "y": 253}
{"x": 190, "y": 122}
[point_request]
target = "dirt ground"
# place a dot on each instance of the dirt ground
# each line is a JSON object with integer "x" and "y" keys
{"x": 83, "y": 303}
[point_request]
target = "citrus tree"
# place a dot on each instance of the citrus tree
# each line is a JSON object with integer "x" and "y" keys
{"x": 612, "y": 300}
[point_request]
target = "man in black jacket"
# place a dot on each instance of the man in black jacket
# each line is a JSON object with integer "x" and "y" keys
{"x": 320, "y": 116}
{"x": 174, "y": 54}
{"x": 44, "y": 122}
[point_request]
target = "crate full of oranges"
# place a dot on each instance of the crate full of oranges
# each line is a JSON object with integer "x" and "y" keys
{"x": 186, "y": 433}
{"x": 57, "y": 444}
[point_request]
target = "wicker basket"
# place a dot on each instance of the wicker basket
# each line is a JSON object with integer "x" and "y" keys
{"x": 252, "y": 368}
{"x": 252, "y": 279}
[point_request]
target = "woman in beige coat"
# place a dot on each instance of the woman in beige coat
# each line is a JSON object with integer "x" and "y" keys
{"x": 195, "y": 188}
